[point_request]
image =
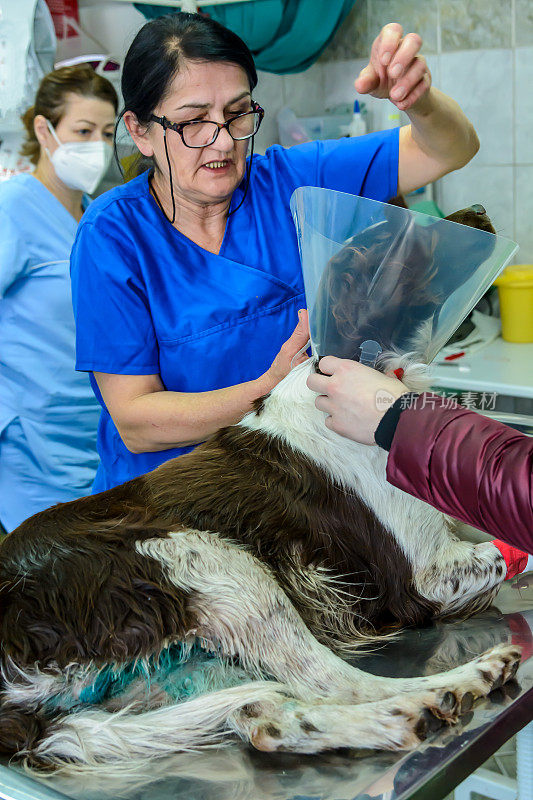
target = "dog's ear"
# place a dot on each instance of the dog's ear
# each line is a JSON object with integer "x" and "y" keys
{"x": 342, "y": 298}
{"x": 397, "y": 200}
{"x": 474, "y": 216}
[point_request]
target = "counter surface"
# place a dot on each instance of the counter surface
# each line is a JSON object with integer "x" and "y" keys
{"x": 502, "y": 367}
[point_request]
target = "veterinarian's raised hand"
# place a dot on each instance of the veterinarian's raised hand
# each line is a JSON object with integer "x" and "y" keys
{"x": 395, "y": 70}
{"x": 288, "y": 357}
{"x": 354, "y": 397}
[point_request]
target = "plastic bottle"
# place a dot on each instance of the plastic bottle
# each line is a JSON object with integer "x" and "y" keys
{"x": 357, "y": 126}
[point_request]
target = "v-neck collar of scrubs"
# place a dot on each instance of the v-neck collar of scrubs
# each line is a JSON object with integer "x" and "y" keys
{"x": 221, "y": 260}
{"x": 60, "y": 208}
{"x": 183, "y": 236}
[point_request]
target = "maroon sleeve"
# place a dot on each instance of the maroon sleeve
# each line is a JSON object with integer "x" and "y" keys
{"x": 466, "y": 465}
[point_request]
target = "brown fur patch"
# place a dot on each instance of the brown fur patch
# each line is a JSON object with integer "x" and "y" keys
{"x": 19, "y": 730}
{"x": 73, "y": 587}
{"x": 272, "y": 730}
{"x": 259, "y": 404}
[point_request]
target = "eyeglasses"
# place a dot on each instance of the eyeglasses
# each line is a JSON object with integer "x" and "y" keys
{"x": 202, "y": 133}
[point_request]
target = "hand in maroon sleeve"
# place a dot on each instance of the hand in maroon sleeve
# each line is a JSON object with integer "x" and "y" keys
{"x": 467, "y": 465}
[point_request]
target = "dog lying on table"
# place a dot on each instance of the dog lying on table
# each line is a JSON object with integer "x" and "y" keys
{"x": 216, "y": 594}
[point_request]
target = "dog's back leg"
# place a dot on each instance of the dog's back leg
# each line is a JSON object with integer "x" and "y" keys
{"x": 397, "y": 723}
{"x": 260, "y": 712}
{"x": 239, "y": 609}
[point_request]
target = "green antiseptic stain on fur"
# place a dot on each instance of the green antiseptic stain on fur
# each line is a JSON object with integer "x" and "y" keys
{"x": 180, "y": 671}
{"x": 167, "y": 665}
{"x": 109, "y": 682}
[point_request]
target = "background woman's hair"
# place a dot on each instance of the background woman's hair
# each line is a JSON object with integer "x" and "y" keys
{"x": 51, "y": 99}
{"x": 160, "y": 49}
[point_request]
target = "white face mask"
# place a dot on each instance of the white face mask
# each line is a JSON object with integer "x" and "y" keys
{"x": 80, "y": 165}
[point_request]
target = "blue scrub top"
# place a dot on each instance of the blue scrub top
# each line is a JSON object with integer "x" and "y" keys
{"x": 148, "y": 300}
{"x": 48, "y": 412}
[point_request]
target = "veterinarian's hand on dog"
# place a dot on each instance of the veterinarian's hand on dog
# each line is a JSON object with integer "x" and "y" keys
{"x": 287, "y": 356}
{"x": 354, "y": 396}
{"x": 395, "y": 70}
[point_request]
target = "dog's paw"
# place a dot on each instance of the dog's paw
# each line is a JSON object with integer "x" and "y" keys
{"x": 498, "y": 666}
{"x": 416, "y": 715}
{"x": 399, "y": 722}
{"x": 487, "y": 672}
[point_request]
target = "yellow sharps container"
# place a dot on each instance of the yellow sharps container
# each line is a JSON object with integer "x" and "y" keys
{"x": 515, "y": 287}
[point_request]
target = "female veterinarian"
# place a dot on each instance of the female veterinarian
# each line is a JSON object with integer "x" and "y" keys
{"x": 187, "y": 280}
{"x": 463, "y": 463}
{"x": 48, "y": 413}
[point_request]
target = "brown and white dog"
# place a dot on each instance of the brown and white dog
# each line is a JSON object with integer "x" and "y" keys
{"x": 274, "y": 547}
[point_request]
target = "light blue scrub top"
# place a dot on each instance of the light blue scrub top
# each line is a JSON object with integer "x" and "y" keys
{"x": 48, "y": 412}
{"x": 148, "y": 300}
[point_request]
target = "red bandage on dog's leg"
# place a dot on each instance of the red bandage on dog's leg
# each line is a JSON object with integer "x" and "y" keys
{"x": 399, "y": 373}
{"x": 515, "y": 559}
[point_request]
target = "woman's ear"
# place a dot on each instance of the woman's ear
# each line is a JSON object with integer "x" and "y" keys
{"x": 139, "y": 133}
{"x": 41, "y": 130}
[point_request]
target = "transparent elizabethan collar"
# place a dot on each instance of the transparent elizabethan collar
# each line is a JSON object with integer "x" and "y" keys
{"x": 378, "y": 277}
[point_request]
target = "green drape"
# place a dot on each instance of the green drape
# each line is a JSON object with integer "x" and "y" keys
{"x": 284, "y": 35}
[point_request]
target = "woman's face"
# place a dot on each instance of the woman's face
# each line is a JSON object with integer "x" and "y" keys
{"x": 201, "y": 91}
{"x": 85, "y": 119}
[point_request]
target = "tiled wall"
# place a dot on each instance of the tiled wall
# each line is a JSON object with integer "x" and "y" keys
{"x": 481, "y": 53}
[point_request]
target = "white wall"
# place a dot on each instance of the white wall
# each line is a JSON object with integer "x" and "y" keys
{"x": 112, "y": 24}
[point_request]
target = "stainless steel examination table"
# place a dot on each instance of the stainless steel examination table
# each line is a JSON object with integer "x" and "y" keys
{"x": 434, "y": 769}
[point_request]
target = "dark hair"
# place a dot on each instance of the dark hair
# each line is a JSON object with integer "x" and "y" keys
{"x": 51, "y": 98}
{"x": 162, "y": 45}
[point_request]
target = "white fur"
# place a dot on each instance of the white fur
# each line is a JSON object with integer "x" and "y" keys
{"x": 31, "y": 687}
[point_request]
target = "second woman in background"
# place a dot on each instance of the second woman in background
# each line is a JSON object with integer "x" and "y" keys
{"x": 48, "y": 413}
